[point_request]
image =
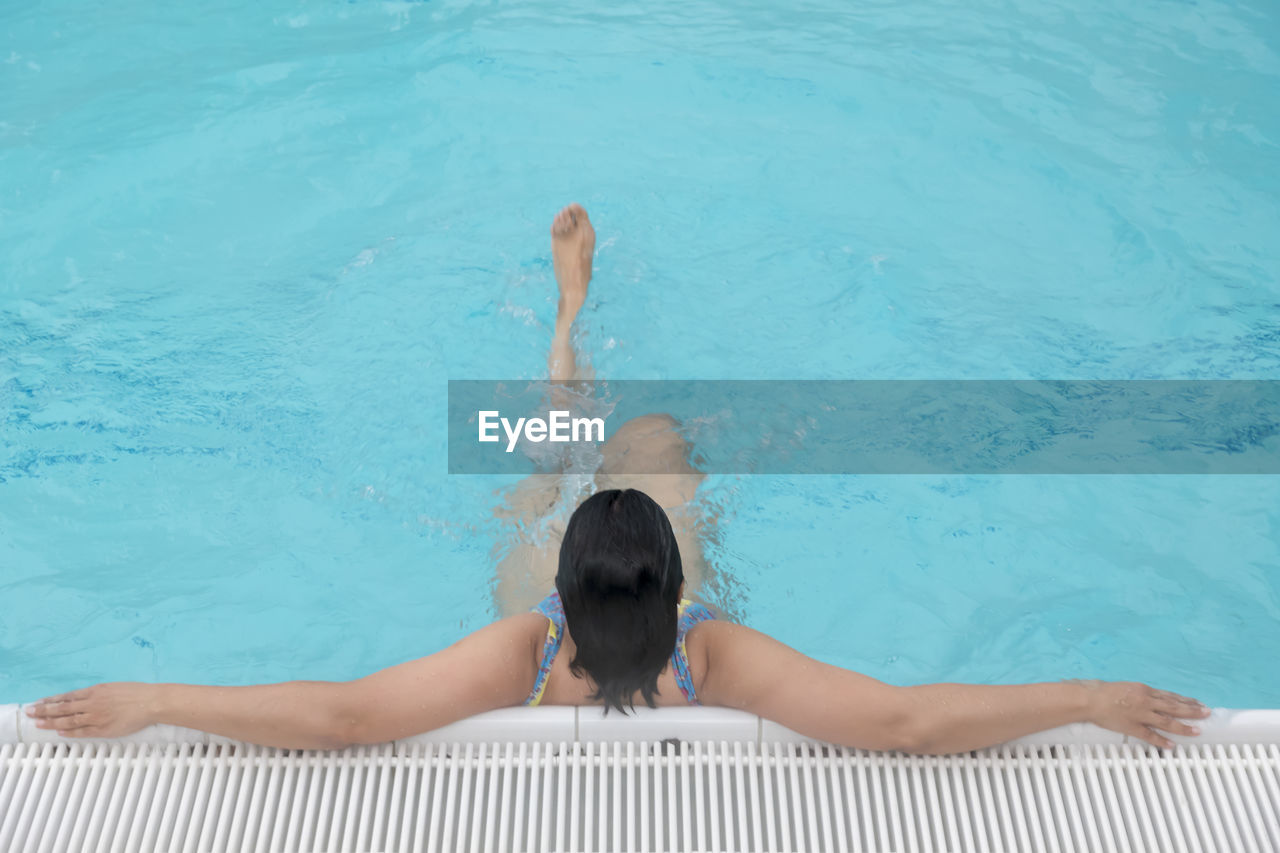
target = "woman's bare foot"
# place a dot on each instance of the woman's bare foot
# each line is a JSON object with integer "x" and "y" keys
{"x": 573, "y": 242}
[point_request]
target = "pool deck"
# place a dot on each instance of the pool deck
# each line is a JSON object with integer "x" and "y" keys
{"x": 708, "y": 779}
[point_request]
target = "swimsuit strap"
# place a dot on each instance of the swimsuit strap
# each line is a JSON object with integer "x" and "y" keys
{"x": 690, "y": 614}
{"x": 553, "y": 610}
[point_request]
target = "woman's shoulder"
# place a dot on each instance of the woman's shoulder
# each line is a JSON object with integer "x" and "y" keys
{"x": 701, "y": 637}
{"x": 733, "y": 660}
{"x": 529, "y": 626}
{"x": 702, "y": 621}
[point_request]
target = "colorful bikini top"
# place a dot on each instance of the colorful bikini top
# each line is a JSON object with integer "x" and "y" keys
{"x": 691, "y": 613}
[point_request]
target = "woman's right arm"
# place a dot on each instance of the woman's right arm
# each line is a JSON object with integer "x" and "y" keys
{"x": 753, "y": 672}
{"x": 492, "y": 667}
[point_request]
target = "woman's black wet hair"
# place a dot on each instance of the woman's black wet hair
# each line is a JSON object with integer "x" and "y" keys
{"x": 619, "y": 581}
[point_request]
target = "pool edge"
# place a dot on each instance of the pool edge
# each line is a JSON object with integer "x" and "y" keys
{"x": 571, "y": 724}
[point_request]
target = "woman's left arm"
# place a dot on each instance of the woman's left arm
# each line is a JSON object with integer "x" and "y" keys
{"x": 493, "y": 667}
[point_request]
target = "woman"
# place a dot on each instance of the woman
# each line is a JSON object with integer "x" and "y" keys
{"x": 618, "y": 629}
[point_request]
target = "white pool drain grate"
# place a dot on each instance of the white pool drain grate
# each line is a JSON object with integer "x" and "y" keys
{"x": 635, "y": 796}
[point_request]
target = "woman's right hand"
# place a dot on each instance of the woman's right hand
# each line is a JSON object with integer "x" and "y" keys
{"x": 1140, "y": 711}
{"x": 107, "y": 710}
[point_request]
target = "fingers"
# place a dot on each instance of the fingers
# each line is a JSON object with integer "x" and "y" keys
{"x": 67, "y": 714}
{"x": 1166, "y": 714}
{"x": 64, "y": 723}
{"x": 60, "y": 716}
{"x": 1179, "y": 706}
{"x": 84, "y": 713}
{"x": 48, "y": 709}
{"x": 1166, "y": 723}
{"x": 1151, "y": 726}
{"x": 1146, "y": 733}
{"x": 69, "y": 719}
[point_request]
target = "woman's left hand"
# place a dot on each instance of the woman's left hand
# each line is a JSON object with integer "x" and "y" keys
{"x": 107, "y": 710}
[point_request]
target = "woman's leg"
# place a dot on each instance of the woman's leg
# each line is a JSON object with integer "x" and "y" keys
{"x": 573, "y": 242}
{"x": 527, "y": 568}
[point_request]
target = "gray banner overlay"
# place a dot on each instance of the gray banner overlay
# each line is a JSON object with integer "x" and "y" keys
{"x": 871, "y": 426}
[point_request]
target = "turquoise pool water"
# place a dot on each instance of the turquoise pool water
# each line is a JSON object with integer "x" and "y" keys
{"x": 242, "y": 249}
